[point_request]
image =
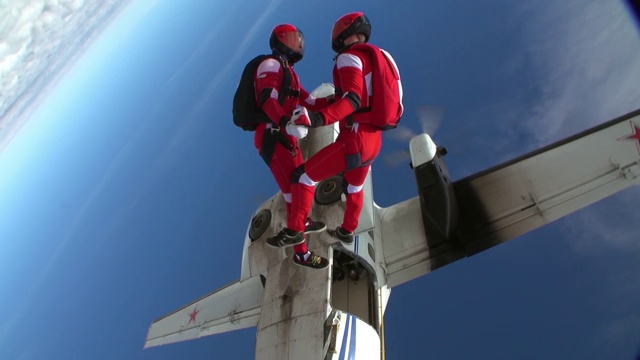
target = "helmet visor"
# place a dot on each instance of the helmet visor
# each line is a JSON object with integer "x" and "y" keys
{"x": 294, "y": 40}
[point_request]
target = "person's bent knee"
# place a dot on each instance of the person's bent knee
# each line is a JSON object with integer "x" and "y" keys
{"x": 297, "y": 173}
{"x": 301, "y": 177}
{"x": 352, "y": 189}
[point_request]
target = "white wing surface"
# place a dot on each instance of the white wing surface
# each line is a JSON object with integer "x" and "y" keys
{"x": 235, "y": 306}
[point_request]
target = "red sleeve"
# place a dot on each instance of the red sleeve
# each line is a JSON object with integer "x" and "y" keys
{"x": 312, "y": 103}
{"x": 268, "y": 80}
{"x": 351, "y": 80}
{"x": 337, "y": 111}
{"x": 274, "y": 110}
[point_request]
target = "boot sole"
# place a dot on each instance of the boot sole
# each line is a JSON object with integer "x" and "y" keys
{"x": 315, "y": 231}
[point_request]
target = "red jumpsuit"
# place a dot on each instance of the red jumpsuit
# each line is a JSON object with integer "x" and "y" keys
{"x": 278, "y": 149}
{"x": 353, "y": 151}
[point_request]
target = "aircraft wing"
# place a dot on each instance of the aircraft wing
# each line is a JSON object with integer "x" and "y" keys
{"x": 506, "y": 201}
{"x": 526, "y": 193}
{"x": 233, "y": 307}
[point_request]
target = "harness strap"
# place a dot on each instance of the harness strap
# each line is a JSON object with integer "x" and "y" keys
{"x": 273, "y": 136}
{"x": 285, "y": 90}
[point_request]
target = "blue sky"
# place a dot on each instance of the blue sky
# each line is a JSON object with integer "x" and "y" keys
{"x": 127, "y": 192}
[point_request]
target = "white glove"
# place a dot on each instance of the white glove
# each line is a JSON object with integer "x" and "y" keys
{"x": 299, "y": 131}
{"x": 300, "y": 116}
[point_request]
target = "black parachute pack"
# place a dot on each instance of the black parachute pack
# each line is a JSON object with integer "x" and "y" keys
{"x": 246, "y": 113}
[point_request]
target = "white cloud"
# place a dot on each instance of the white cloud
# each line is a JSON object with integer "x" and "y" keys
{"x": 586, "y": 61}
{"x": 586, "y": 57}
{"x": 39, "y": 39}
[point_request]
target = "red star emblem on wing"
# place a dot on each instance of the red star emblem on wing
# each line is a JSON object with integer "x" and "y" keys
{"x": 192, "y": 316}
{"x": 635, "y": 135}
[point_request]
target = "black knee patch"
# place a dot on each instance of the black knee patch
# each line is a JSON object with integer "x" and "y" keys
{"x": 297, "y": 173}
{"x": 354, "y": 161}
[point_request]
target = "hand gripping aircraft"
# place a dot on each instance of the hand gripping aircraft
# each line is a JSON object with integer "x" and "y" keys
{"x": 337, "y": 313}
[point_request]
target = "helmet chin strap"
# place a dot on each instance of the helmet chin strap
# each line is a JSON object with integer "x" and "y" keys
{"x": 286, "y": 58}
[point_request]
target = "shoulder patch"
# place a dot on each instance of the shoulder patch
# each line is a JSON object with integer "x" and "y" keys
{"x": 346, "y": 60}
{"x": 268, "y": 65}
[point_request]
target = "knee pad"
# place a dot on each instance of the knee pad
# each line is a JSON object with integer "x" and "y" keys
{"x": 300, "y": 177}
{"x": 297, "y": 173}
{"x": 352, "y": 189}
{"x": 306, "y": 180}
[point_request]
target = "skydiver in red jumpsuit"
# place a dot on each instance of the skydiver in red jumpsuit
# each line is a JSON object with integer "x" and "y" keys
{"x": 277, "y": 143}
{"x": 357, "y": 145}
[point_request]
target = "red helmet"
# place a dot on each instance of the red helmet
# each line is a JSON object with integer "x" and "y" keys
{"x": 347, "y": 25}
{"x": 287, "y": 40}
